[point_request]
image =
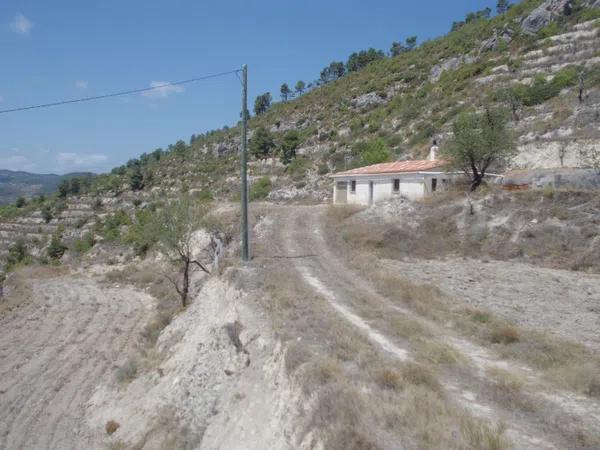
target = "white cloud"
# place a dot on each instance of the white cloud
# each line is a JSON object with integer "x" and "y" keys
{"x": 163, "y": 90}
{"x": 81, "y": 84}
{"x": 80, "y": 161}
{"x": 17, "y": 162}
{"x": 21, "y": 25}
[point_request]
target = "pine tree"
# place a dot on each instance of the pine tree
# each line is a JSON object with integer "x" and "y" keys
{"x": 502, "y": 6}
{"x": 285, "y": 92}
{"x": 300, "y": 87}
{"x": 411, "y": 43}
{"x": 261, "y": 143}
{"x": 262, "y": 103}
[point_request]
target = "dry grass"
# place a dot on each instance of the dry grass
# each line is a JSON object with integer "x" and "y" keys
{"x": 503, "y": 334}
{"x": 436, "y": 352}
{"x": 18, "y": 285}
{"x": 359, "y": 397}
{"x": 506, "y": 388}
{"x": 565, "y": 363}
{"x": 168, "y": 432}
{"x": 559, "y": 236}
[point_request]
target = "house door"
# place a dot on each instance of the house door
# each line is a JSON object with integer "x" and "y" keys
{"x": 433, "y": 184}
{"x": 341, "y": 192}
{"x": 370, "y": 192}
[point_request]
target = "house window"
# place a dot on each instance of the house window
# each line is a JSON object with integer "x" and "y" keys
{"x": 396, "y": 185}
{"x": 353, "y": 186}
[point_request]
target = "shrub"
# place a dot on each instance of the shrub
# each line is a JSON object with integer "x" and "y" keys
{"x": 84, "y": 244}
{"x": 97, "y": 206}
{"x": 18, "y": 254}
{"x": 372, "y": 152}
{"x": 204, "y": 196}
{"x": 323, "y": 169}
{"x": 56, "y": 248}
{"x": 21, "y": 202}
{"x": 47, "y": 213}
{"x": 111, "y": 426}
{"x": 549, "y": 30}
{"x": 128, "y": 370}
{"x": 504, "y": 335}
{"x": 288, "y": 146}
{"x": 260, "y": 189}
{"x": 298, "y": 167}
{"x": 542, "y": 90}
{"x": 141, "y": 233}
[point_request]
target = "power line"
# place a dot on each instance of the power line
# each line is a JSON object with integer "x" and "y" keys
{"x": 117, "y": 94}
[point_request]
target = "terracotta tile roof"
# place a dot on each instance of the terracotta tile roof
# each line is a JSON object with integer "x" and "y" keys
{"x": 394, "y": 167}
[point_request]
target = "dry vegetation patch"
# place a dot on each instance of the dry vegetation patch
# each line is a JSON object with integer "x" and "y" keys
{"x": 566, "y": 363}
{"x": 17, "y": 288}
{"x": 359, "y": 397}
{"x": 557, "y": 228}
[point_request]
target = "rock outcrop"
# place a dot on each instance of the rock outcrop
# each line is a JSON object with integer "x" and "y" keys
{"x": 450, "y": 64}
{"x": 547, "y": 12}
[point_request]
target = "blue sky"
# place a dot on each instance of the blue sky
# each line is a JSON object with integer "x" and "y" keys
{"x": 62, "y": 49}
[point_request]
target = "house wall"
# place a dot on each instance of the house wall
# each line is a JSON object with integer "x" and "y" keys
{"x": 412, "y": 189}
{"x": 413, "y": 186}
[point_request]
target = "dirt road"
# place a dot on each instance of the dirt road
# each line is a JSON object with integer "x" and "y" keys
{"x": 54, "y": 350}
{"x": 296, "y": 235}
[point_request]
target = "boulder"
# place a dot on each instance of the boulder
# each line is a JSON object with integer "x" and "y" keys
{"x": 505, "y": 36}
{"x": 450, "y": 64}
{"x": 547, "y": 12}
{"x": 368, "y": 99}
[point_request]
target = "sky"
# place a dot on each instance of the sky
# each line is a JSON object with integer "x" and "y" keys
{"x": 65, "y": 49}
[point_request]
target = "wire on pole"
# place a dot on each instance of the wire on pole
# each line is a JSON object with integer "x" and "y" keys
{"x": 121, "y": 93}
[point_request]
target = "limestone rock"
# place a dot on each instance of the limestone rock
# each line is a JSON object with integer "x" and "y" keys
{"x": 368, "y": 99}
{"x": 547, "y": 12}
{"x": 504, "y": 36}
{"x": 450, "y": 64}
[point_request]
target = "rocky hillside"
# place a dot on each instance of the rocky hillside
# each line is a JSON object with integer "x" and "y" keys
{"x": 540, "y": 60}
{"x": 533, "y": 60}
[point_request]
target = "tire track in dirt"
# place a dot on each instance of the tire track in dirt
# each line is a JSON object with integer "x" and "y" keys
{"x": 85, "y": 329}
{"x": 300, "y": 233}
{"x": 57, "y": 367}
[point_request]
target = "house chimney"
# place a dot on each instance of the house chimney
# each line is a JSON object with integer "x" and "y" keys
{"x": 433, "y": 151}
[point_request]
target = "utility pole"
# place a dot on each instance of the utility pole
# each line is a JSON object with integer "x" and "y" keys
{"x": 243, "y": 161}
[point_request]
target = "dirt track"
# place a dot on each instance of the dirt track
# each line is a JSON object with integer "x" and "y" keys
{"x": 54, "y": 351}
{"x": 297, "y": 235}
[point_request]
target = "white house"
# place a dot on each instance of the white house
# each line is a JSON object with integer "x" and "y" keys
{"x": 411, "y": 179}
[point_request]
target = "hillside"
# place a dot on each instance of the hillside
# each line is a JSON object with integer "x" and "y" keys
{"x": 532, "y": 60}
{"x": 15, "y": 184}
{"x": 462, "y": 320}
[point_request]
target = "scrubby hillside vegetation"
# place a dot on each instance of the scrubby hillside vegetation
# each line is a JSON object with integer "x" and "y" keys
{"x": 539, "y": 60}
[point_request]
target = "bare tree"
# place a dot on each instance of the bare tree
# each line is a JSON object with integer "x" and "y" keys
{"x": 175, "y": 231}
{"x": 562, "y": 152}
{"x": 581, "y": 86}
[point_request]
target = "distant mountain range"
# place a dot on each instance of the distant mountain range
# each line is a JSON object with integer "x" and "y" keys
{"x": 24, "y": 184}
